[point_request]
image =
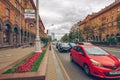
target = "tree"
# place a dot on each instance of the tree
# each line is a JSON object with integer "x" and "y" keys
{"x": 79, "y": 35}
{"x": 65, "y": 38}
{"x": 101, "y": 29}
{"x": 45, "y": 40}
{"x": 88, "y": 31}
{"x": 71, "y": 37}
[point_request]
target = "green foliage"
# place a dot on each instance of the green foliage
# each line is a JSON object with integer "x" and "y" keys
{"x": 88, "y": 31}
{"x": 79, "y": 35}
{"x": 109, "y": 41}
{"x": 101, "y": 42}
{"x": 45, "y": 40}
{"x": 112, "y": 41}
{"x": 65, "y": 38}
{"x": 71, "y": 37}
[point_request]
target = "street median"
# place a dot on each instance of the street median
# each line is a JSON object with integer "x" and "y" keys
{"x": 27, "y": 69}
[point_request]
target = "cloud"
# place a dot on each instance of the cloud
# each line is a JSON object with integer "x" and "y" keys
{"x": 64, "y": 13}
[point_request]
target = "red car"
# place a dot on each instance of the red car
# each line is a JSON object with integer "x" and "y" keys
{"x": 95, "y": 61}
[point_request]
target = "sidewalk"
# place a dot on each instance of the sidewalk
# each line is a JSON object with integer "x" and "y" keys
{"x": 9, "y": 56}
{"x": 54, "y": 70}
{"x": 51, "y": 72}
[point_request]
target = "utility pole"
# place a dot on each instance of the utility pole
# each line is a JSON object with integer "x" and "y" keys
{"x": 20, "y": 20}
{"x": 37, "y": 44}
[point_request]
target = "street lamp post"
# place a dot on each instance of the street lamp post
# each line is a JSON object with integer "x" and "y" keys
{"x": 37, "y": 43}
{"x": 20, "y": 21}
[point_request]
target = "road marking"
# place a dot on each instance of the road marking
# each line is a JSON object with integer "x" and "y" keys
{"x": 63, "y": 68}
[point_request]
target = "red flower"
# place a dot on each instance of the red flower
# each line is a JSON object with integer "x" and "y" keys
{"x": 26, "y": 66}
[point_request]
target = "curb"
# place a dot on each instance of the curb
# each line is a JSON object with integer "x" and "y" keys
{"x": 39, "y": 75}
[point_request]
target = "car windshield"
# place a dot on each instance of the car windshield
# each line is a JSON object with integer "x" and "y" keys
{"x": 95, "y": 51}
{"x": 72, "y": 44}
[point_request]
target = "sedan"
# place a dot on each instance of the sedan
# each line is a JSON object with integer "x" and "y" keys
{"x": 64, "y": 47}
{"x": 96, "y": 61}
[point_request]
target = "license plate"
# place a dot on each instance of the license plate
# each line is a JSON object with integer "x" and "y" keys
{"x": 114, "y": 73}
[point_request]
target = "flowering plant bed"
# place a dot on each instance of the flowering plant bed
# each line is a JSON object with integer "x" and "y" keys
{"x": 29, "y": 64}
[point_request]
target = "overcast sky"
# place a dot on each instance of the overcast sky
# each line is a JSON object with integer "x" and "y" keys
{"x": 58, "y": 16}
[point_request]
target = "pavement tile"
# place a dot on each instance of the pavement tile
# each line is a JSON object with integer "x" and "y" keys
{"x": 9, "y": 56}
{"x": 51, "y": 72}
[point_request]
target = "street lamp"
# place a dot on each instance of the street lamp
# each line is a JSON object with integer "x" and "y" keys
{"x": 20, "y": 21}
{"x": 37, "y": 43}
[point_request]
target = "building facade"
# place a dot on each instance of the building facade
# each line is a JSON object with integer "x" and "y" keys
{"x": 103, "y": 24}
{"x": 14, "y": 28}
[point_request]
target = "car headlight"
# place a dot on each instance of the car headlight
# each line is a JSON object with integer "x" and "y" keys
{"x": 96, "y": 63}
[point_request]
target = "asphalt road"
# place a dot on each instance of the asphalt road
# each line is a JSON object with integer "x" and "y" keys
{"x": 74, "y": 71}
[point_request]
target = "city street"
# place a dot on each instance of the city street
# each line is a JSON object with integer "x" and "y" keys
{"x": 74, "y": 71}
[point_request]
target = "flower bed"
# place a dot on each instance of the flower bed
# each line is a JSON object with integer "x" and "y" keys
{"x": 26, "y": 66}
{"x": 31, "y": 63}
{"x": 36, "y": 65}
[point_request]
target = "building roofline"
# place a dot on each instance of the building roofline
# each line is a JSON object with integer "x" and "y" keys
{"x": 106, "y": 9}
{"x": 101, "y": 11}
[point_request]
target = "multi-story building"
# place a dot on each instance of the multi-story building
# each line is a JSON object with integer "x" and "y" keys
{"x": 103, "y": 24}
{"x": 14, "y": 28}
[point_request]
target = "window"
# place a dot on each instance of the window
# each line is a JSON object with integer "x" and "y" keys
{"x": 79, "y": 49}
{"x": 95, "y": 51}
{"x": 7, "y": 12}
{"x": 15, "y": 17}
{"x": 75, "y": 48}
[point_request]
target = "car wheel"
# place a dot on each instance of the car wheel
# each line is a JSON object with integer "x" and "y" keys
{"x": 71, "y": 58}
{"x": 87, "y": 69}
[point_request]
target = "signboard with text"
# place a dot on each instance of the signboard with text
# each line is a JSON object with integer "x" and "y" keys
{"x": 29, "y": 14}
{"x": 30, "y": 11}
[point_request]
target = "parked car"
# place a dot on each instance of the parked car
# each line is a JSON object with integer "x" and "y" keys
{"x": 96, "y": 61}
{"x": 71, "y": 45}
{"x": 63, "y": 47}
{"x": 57, "y": 44}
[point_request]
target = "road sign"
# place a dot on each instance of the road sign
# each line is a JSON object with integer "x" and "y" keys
{"x": 29, "y": 16}
{"x": 29, "y": 11}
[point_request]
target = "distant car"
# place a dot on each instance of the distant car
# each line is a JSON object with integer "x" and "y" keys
{"x": 57, "y": 44}
{"x": 96, "y": 61}
{"x": 63, "y": 47}
{"x": 71, "y": 45}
